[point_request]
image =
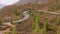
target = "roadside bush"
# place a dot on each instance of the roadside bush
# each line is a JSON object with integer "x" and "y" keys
{"x": 14, "y": 31}
{"x": 0, "y": 21}
{"x": 36, "y": 23}
{"x": 16, "y": 12}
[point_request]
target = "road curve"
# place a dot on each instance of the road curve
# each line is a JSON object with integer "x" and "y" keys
{"x": 26, "y": 16}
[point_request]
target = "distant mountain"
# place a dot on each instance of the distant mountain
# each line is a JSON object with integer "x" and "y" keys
{"x": 21, "y": 2}
{"x": 1, "y": 6}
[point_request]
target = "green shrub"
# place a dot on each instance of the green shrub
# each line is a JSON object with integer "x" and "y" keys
{"x": 0, "y": 21}
{"x": 53, "y": 27}
{"x": 16, "y": 11}
{"x": 45, "y": 27}
{"x": 14, "y": 31}
{"x": 11, "y": 21}
{"x": 7, "y": 32}
{"x": 55, "y": 7}
{"x": 58, "y": 20}
{"x": 36, "y": 23}
{"x": 58, "y": 31}
{"x": 30, "y": 4}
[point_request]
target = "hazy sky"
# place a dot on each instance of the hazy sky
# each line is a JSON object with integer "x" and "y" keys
{"x": 8, "y": 2}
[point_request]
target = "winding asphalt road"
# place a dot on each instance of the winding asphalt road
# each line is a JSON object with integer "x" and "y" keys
{"x": 26, "y": 16}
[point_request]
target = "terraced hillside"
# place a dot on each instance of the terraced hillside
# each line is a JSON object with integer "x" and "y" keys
{"x": 39, "y": 22}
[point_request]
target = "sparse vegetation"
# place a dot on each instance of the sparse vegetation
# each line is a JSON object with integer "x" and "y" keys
{"x": 36, "y": 23}
{"x": 58, "y": 31}
{"x": 44, "y": 30}
{"x": 55, "y": 7}
{"x": 14, "y": 30}
{"x": 58, "y": 20}
{"x": 45, "y": 27}
{"x": 16, "y": 11}
{"x": 7, "y": 32}
{"x": 1, "y": 22}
